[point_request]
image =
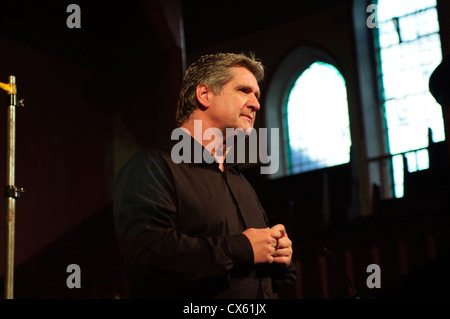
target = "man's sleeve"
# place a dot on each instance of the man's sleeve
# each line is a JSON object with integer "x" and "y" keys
{"x": 283, "y": 277}
{"x": 146, "y": 226}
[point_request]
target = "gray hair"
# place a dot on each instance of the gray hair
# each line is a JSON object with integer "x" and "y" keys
{"x": 214, "y": 71}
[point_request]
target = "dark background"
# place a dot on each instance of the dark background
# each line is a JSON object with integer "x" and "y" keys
{"x": 95, "y": 95}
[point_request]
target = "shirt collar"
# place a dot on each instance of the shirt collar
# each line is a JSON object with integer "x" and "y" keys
{"x": 207, "y": 159}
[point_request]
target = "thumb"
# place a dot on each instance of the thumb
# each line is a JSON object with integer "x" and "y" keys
{"x": 278, "y": 231}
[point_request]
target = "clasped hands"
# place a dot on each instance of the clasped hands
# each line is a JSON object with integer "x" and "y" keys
{"x": 270, "y": 245}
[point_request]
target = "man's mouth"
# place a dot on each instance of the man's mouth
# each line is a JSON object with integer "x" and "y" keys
{"x": 249, "y": 117}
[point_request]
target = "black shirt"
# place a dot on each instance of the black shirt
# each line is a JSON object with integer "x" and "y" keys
{"x": 179, "y": 228}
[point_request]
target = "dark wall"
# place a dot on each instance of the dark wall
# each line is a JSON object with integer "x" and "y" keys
{"x": 63, "y": 147}
{"x": 93, "y": 96}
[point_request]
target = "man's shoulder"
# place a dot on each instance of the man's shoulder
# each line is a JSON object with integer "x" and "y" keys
{"x": 147, "y": 159}
{"x": 149, "y": 156}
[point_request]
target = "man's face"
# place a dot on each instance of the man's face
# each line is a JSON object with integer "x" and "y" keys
{"x": 236, "y": 106}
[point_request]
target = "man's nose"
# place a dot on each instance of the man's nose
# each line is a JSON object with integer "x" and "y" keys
{"x": 253, "y": 103}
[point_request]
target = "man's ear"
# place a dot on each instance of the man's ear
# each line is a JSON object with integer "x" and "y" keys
{"x": 203, "y": 94}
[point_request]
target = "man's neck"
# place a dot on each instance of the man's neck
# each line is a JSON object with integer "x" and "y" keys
{"x": 218, "y": 148}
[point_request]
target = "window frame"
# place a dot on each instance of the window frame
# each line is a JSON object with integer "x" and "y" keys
{"x": 282, "y": 81}
{"x": 388, "y": 157}
{"x": 291, "y": 166}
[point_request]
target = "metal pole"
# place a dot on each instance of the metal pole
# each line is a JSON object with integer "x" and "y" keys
{"x": 10, "y": 201}
{"x": 12, "y": 192}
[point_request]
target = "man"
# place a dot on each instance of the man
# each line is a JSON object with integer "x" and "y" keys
{"x": 439, "y": 82}
{"x": 196, "y": 229}
{"x": 439, "y": 85}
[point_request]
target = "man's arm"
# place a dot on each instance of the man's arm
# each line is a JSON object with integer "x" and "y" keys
{"x": 146, "y": 227}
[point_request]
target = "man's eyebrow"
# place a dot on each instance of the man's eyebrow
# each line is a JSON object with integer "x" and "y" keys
{"x": 249, "y": 89}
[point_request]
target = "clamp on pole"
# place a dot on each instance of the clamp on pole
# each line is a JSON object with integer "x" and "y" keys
{"x": 12, "y": 191}
{"x": 10, "y": 88}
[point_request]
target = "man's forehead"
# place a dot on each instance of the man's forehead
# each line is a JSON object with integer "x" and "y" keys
{"x": 242, "y": 70}
{"x": 242, "y": 76}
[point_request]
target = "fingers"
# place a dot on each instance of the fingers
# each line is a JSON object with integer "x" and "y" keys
{"x": 270, "y": 245}
{"x": 273, "y": 242}
{"x": 280, "y": 256}
{"x": 283, "y": 242}
{"x": 284, "y": 252}
{"x": 277, "y": 231}
{"x": 263, "y": 244}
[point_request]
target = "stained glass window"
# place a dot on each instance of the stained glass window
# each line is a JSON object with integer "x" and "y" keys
{"x": 410, "y": 50}
{"x": 318, "y": 122}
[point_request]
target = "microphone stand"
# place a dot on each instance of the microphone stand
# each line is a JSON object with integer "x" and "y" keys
{"x": 12, "y": 192}
{"x": 327, "y": 253}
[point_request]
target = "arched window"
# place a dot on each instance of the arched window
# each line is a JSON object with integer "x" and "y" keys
{"x": 409, "y": 49}
{"x": 317, "y": 119}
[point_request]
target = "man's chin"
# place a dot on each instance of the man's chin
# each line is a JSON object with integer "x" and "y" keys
{"x": 245, "y": 126}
